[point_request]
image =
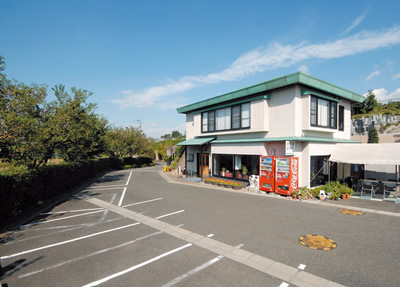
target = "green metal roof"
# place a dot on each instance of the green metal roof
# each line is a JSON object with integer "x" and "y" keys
{"x": 295, "y": 78}
{"x": 196, "y": 141}
{"x": 279, "y": 139}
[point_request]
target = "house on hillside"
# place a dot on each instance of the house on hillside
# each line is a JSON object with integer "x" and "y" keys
{"x": 293, "y": 115}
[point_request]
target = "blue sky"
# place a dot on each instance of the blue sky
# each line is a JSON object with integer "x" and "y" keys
{"x": 143, "y": 59}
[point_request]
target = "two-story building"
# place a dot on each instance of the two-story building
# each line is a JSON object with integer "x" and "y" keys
{"x": 293, "y": 115}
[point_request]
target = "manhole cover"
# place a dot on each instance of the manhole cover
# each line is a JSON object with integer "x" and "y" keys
{"x": 351, "y": 211}
{"x": 317, "y": 242}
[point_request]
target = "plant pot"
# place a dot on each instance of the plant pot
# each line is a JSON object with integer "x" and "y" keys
{"x": 294, "y": 196}
{"x": 214, "y": 183}
{"x": 207, "y": 182}
{"x": 237, "y": 187}
{"x": 221, "y": 184}
{"x": 228, "y": 185}
{"x": 348, "y": 196}
{"x": 344, "y": 196}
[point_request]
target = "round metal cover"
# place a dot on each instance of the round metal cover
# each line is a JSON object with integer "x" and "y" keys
{"x": 351, "y": 211}
{"x": 317, "y": 242}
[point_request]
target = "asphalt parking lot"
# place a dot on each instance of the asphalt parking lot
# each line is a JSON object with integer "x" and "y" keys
{"x": 132, "y": 228}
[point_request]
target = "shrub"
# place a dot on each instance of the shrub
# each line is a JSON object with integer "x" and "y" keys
{"x": 22, "y": 190}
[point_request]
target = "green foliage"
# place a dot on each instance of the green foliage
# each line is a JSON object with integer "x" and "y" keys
{"x": 26, "y": 136}
{"x": 23, "y": 190}
{"x": 174, "y": 164}
{"x": 128, "y": 141}
{"x": 32, "y": 130}
{"x": 79, "y": 132}
{"x": 373, "y": 136}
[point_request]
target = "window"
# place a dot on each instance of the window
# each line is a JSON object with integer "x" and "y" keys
{"x": 323, "y": 113}
{"x": 230, "y": 118}
{"x": 239, "y": 167}
{"x": 236, "y": 117}
{"x": 246, "y": 115}
{"x": 223, "y": 119}
{"x": 341, "y": 118}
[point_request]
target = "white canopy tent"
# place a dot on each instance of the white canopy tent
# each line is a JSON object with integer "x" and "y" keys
{"x": 385, "y": 154}
{"x": 367, "y": 154}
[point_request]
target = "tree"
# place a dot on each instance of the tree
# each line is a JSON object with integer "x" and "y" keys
{"x": 370, "y": 103}
{"x": 176, "y": 134}
{"x": 79, "y": 132}
{"x": 373, "y": 136}
{"x": 128, "y": 141}
{"x": 25, "y": 129}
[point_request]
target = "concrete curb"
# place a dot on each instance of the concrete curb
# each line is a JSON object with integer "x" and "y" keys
{"x": 317, "y": 202}
{"x": 273, "y": 268}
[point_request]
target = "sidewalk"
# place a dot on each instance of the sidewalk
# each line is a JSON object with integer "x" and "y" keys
{"x": 370, "y": 206}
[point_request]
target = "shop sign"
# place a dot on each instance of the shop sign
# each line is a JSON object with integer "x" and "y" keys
{"x": 290, "y": 147}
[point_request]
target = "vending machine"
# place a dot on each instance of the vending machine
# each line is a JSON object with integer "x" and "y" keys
{"x": 286, "y": 174}
{"x": 267, "y": 173}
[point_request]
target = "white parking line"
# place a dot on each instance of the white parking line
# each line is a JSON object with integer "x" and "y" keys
{"x": 103, "y": 188}
{"x": 172, "y": 213}
{"x": 302, "y": 266}
{"x": 136, "y": 203}
{"x": 71, "y": 227}
{"x": 67, "y": 211}
{"x": 129, "y": 178}
{"x": 62, "y": 218}
{"x": 122, "y": 197}
{"x": 106, "y": 186}
{"x": 105, "y": 279}
{"x": 195, "y": 270}
{"x": 89, "y": 255}
{"x": 68, "y": 241}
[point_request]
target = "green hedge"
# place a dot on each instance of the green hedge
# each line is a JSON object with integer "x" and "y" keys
{"x": 21, "y": 191}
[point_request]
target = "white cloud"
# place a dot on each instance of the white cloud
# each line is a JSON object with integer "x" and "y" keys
{"x": 372, "y": 75}
{"x": 272, "y": 57}
{"x": 383, "y": 95}
{"x": 304, "y": 69}
{"x": 397, "y": 76}
{"x": 356, "y": 22}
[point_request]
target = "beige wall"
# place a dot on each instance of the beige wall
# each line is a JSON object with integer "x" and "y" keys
{"x": 243, "y": 149}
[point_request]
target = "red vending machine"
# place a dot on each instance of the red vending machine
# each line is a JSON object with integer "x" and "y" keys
{"x": 286, "y": 174}
{"x": 267, "y": 170}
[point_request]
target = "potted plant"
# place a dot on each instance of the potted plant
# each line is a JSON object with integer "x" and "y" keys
{"x": 214, "y": 181}
{"x": 221, "y": 182}
{"x": 237, "y": 185}
{"x": 223, "y": 171}
{"x": 208, "y": 180}
{"x": 244, "y": 172}
{"x": 295, "y": 194}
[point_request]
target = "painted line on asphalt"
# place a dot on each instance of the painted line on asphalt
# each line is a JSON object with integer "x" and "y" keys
{"x": 73, "y": 227}
{"x": 68, "y": 211}
{"x": 141, "y": 202}
{"x": 169, "y": 214}
{"x": 195, "y": 270}
{"x": 106, "y": 212}
{"x": 302, "y": 266}
{"x": 106, "y": 186}
{"x": 102, "y": 189}
{"x": 122, "y": 197}
{"x": 210, "y": 235}
{"x": 68, "y": 241}
{"x": 105, "y": 279}
{"x": 129, "y": 178}
{"x": 268, "y": 266}
{"x": 284, "y": 284}
{"x": 90, "y": 255}
{"x": 62, "y": 218}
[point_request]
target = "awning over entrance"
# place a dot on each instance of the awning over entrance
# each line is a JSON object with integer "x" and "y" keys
{"x": 197, "y": 141}
{"x": 384, "y": 154}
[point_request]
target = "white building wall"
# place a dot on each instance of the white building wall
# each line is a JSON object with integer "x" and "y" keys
{"x": 190, "y": 126}
{"x": 282, "y": 113}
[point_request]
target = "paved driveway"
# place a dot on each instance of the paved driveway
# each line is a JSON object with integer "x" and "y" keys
{"x": 133, "y": 228}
